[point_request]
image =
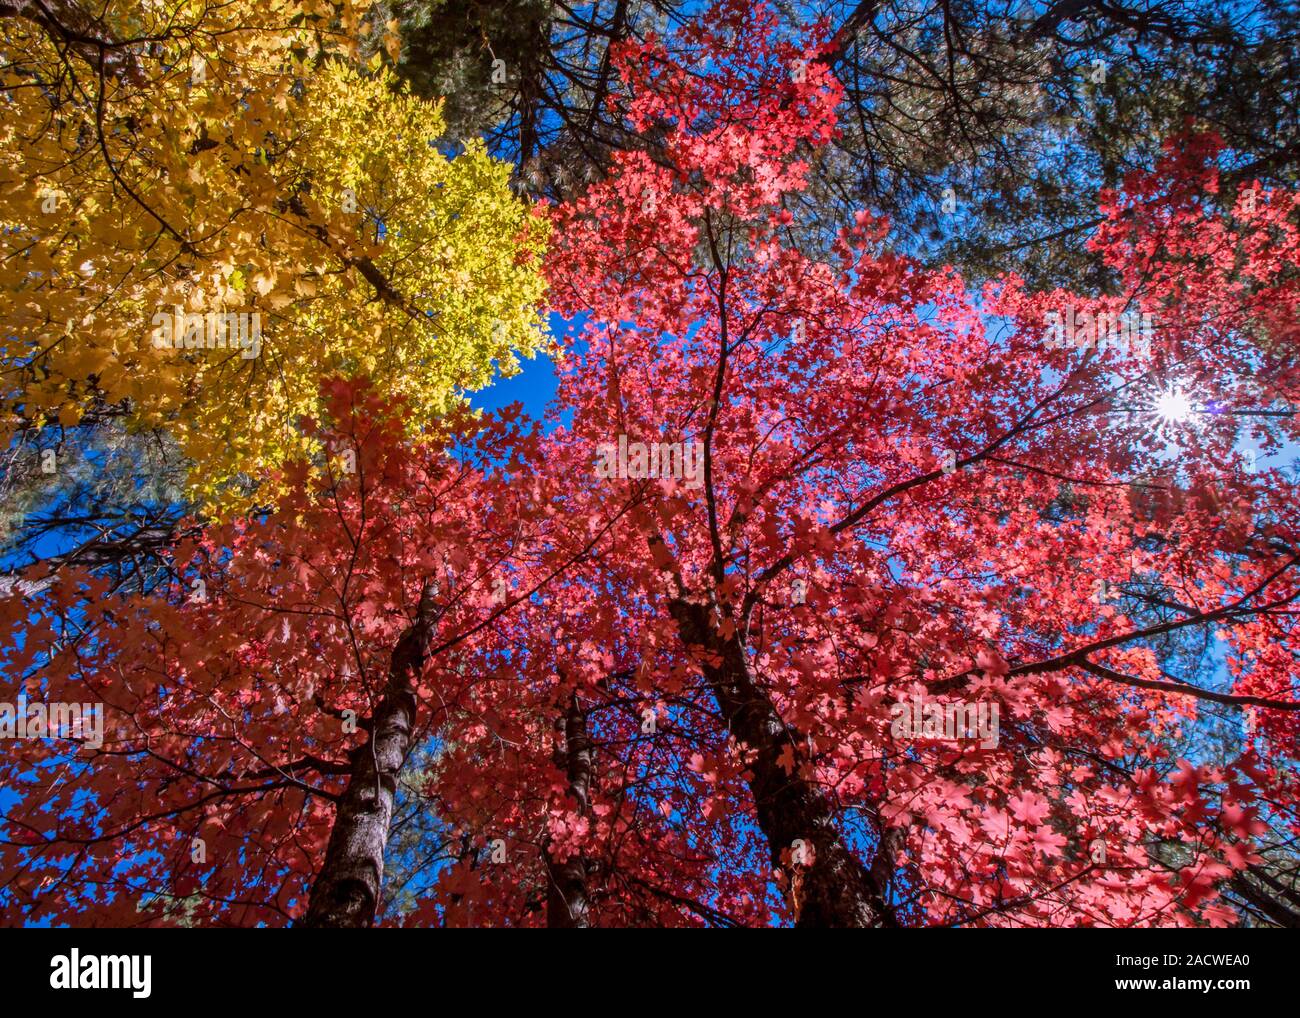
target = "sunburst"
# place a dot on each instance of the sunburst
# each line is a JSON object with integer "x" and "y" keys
{"x": 1173, "y": 407}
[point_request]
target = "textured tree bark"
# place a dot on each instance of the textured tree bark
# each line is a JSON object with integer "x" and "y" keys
{"x": 567, "y": 904}
{"x": 1283, "y": 907}
{"x": 77, "y": 31}
{"x": 834, "y": 888}
{"x": 346, "y": 890}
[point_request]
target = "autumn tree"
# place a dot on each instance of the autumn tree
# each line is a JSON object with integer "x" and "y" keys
{"x": 179, "y": 177}
{"x": 257, "y": 713}
{"x": 378, "y": 649}
{"x": 905, "y": 491}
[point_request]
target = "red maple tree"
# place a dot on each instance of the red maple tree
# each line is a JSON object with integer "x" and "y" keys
{"x": 907, "y": 492}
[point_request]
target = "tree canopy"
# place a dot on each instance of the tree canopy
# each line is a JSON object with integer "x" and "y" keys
{"x": 841, "y": 584}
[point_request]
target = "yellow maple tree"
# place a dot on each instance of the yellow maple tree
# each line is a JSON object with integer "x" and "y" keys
{"x": 207, "y": 208}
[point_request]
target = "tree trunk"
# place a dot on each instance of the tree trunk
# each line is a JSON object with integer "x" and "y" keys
{"x": 1278, "y": 910}
{"x": 347, "y": 888}
{"x": 567, "y": 906}
{"x": 833, "y": 888}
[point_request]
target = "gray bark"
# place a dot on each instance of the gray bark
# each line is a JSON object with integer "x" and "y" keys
{"x": 835, "y": 889}
{"x": 567, "y": 904}
{"x": 347, "y": 888}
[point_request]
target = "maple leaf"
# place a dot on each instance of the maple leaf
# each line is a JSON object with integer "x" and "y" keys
{"x": 1029, "y": 807}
